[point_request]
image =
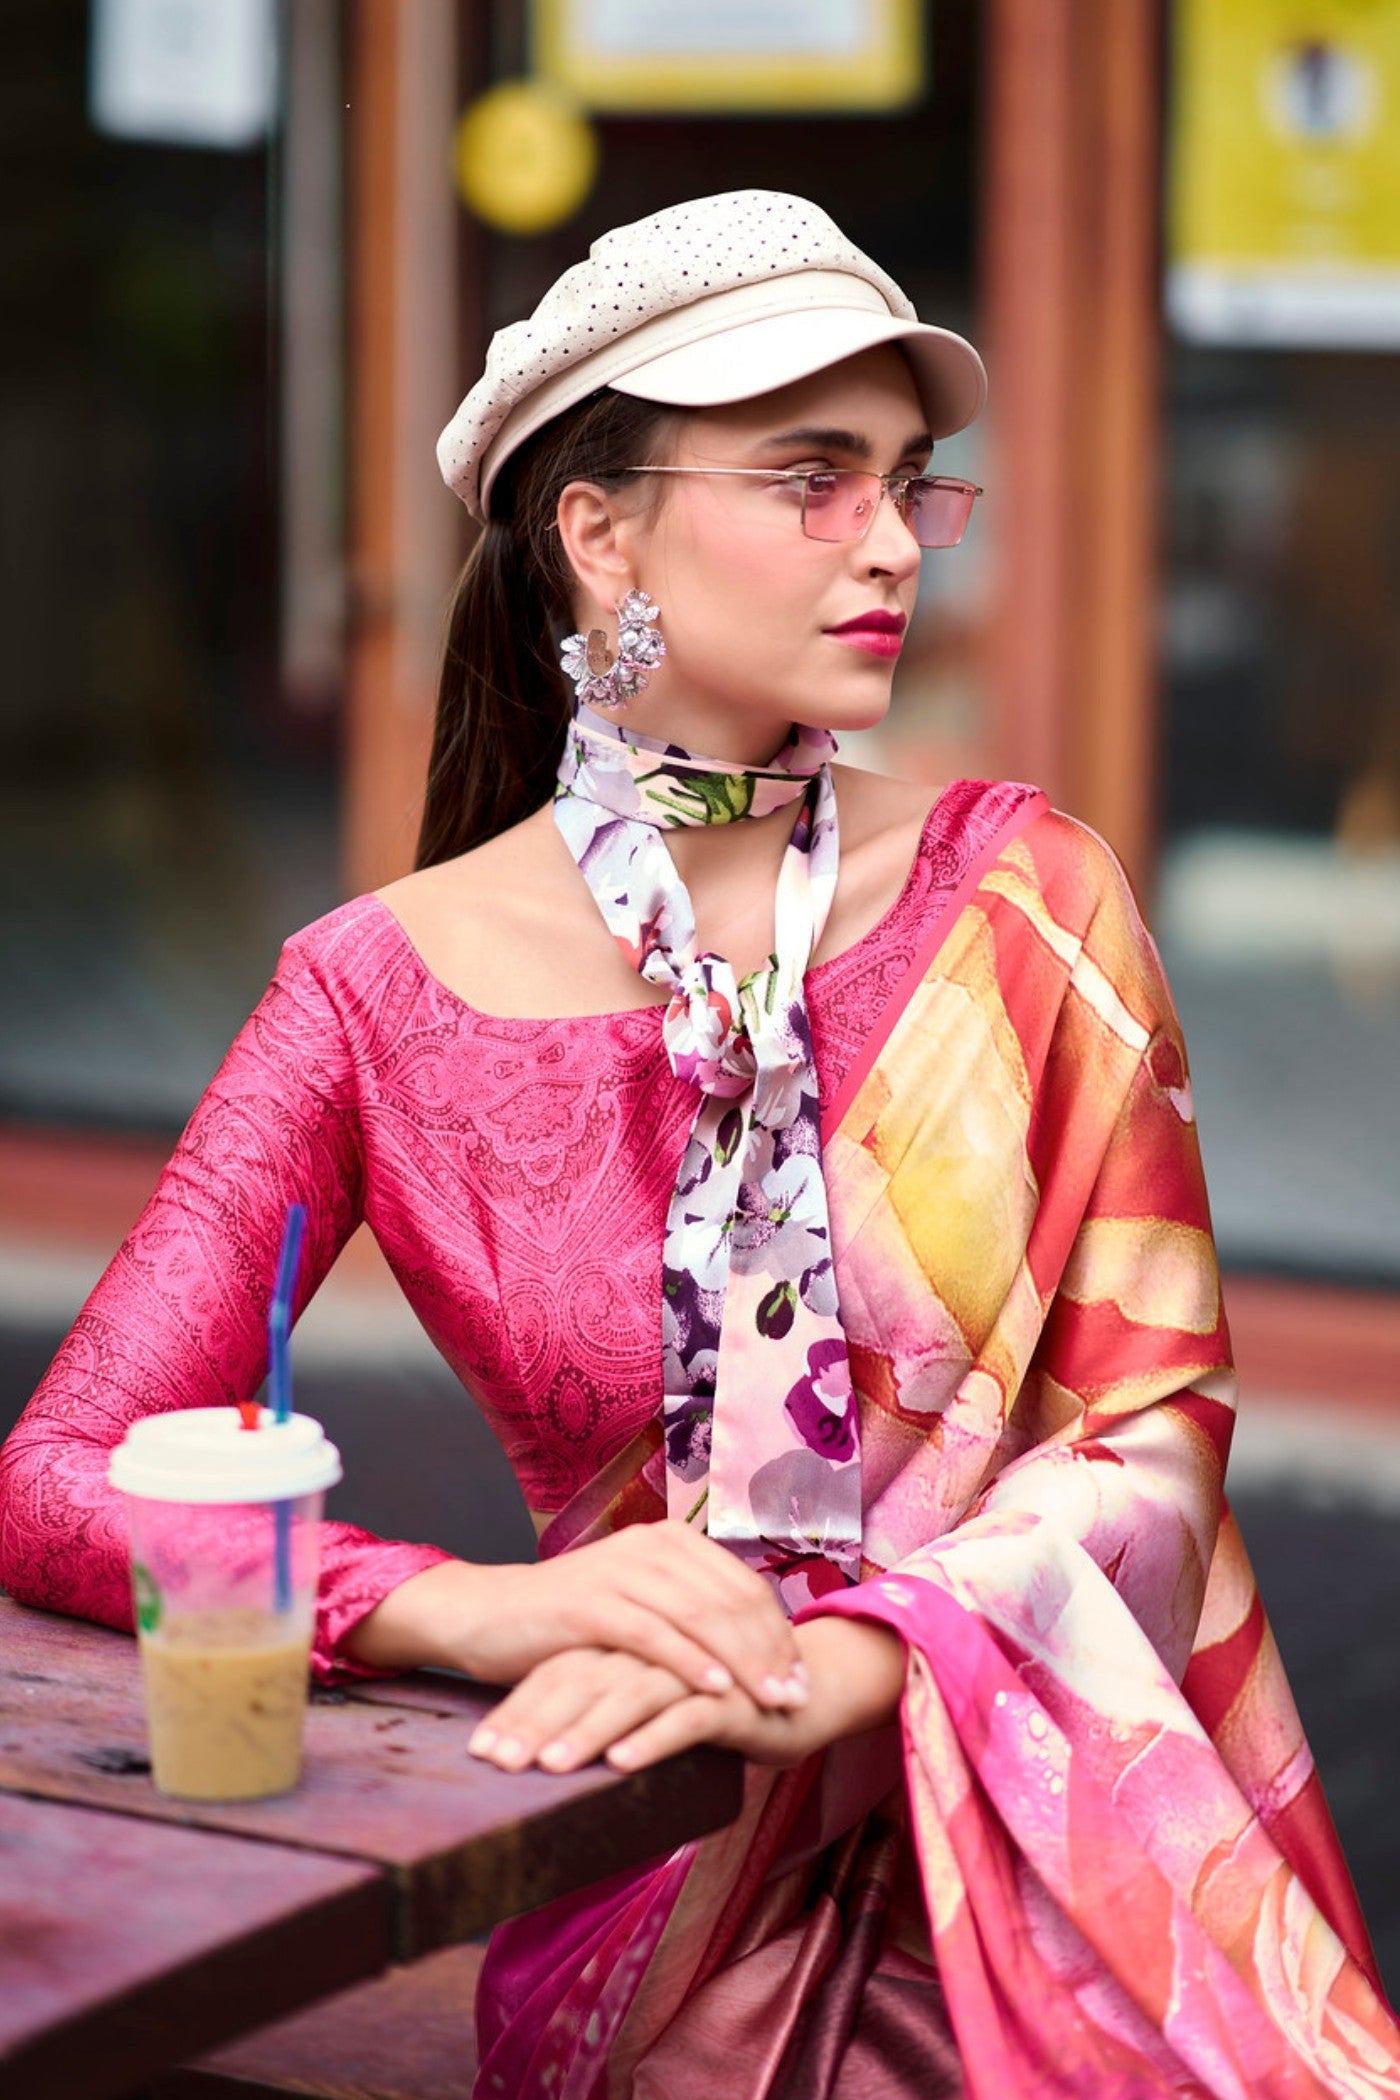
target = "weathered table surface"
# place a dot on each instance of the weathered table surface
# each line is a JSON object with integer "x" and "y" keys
{"x": 137, "y": 1931}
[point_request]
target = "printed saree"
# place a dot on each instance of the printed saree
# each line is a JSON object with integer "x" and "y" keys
{"x": 1093, "y": 1858}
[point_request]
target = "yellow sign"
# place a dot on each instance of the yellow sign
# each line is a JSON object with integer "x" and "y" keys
{"x": 526, "y": 157}
{"x": 733, "y": 54}
{"x": 1285, "y": 172}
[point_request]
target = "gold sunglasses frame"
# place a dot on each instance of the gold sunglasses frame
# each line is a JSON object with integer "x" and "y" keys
{"x": 888, "y": 483}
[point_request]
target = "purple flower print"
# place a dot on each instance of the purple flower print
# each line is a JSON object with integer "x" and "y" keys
{"x": 776, "y": 1311}
{"x": 800, "y": 1030}
{"x": 702, "y": 1029}
{"x": 781, "y": 1231}
{"x": 707, "y": 1245}
{"x": 729, "y": 1136}
{"x": 795, "y": 1500}
{"x": 801, "y": 1139}
{"x": 690, "y": 1320}
{"x": 817, "y": 1289}
{"x": 822, "y": 1404}
{"x": 688, "y": 1420}
{"x": 778, "y": 1096}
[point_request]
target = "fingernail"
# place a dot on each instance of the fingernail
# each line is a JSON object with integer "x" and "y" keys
{"x": 557, "y": 1754}
{"x": 717, "y": 1679}
{"x": 482, "y": 1741}
{"x": 799, "y": 1672}
{"x": 796, "y": 1691}
{"x": 622, "y": 1754}
{"x": 774, "y": 1691}
{"x": 509, "y": 1751}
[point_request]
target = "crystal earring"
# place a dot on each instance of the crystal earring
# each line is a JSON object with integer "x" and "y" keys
{"x": 604, "y": 680}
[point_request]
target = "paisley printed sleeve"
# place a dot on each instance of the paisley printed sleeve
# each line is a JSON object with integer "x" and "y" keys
{"x": 179, "y": 1317}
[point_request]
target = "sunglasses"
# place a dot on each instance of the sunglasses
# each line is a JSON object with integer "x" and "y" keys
{"x": 839, "y": 503}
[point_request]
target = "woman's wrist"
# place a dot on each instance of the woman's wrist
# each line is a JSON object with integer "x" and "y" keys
{"x": 855, "y": 1669}
{"x": 424, "y": 1622}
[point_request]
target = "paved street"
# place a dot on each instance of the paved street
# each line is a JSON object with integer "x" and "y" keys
{"x": 1330, "y": 1578}
{"x": 1327, "y": 1553}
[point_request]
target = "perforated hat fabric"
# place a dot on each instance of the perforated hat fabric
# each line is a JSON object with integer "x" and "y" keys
{"x": 715, "y": 300}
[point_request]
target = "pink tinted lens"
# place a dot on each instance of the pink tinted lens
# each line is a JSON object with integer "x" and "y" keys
{"x": 839, "y": 505}
{"x": 937, "y": 513}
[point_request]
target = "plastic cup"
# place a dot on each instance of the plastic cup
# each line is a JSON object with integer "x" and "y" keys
{"x": 225, "y": 1556}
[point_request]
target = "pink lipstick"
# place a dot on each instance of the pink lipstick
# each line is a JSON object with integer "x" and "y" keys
{"x": 878, "y": 633}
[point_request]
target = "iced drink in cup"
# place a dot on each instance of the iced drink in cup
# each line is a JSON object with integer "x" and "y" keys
{"x": 225, "y": 1553}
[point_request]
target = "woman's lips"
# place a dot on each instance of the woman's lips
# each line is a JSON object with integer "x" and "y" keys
{"x": 876, "y": 641}
{"x": 879, "y": 633}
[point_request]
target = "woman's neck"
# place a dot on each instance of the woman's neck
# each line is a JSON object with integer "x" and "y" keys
{"x": 708, "y": 732}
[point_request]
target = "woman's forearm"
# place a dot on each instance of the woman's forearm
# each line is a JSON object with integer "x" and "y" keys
{"x": 457, "y": 1615}
{"x": 856, "y": 1672}
{"x": 419, "y": 1624}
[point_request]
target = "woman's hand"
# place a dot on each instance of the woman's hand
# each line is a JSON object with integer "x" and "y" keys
{"x": 661, "y": 1593}
{"x": 588, "y": 1702}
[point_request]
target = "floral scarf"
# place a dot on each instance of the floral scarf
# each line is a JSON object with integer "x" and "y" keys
{"x": 760, "y": 1419}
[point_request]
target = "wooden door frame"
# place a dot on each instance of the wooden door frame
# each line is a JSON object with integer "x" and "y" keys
{"x": 406, "y": 530}
{"x": 1070, "y": 313}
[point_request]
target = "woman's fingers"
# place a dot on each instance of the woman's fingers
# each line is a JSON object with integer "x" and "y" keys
{"x": 711, "y": 1645}
{"x": 619, "y": 1710}
{"x": 748, "y": 1635}
{"x": 617, "y": 1621}
{"x": 679, "y": 1727}
{"x": 571, "y": 1708}
{"x": 712, "y": 1598}
{"x": 661, "y": 1592}
{"x": 733, "y": 1721}
{"x": 546, "y": 1700}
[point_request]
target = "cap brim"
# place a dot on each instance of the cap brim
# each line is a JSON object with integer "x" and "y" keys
{"x": 756, "y": 357}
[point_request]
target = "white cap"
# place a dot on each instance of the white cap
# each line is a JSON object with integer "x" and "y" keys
{"x": 719, "y": 299}
{"x": 204, "y": 1454}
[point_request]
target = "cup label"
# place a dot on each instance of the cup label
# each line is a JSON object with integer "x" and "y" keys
{"x": 148, "y": 1602}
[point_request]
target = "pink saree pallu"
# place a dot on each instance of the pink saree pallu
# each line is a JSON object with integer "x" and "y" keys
{"x": 1093, "y": 1858}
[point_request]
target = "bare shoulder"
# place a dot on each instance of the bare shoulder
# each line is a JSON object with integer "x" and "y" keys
{"x": 509, "y": 928}
{"x": 881, "y": 794}
{"x": 881, "y": 822}
{"x": 502, "y": 874}
{"x": 875, "y": 805}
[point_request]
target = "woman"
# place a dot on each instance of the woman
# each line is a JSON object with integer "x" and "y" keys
{"x": 781, "y": 1151}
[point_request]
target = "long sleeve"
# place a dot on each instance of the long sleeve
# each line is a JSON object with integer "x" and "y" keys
{"x": 179, "y": 1318}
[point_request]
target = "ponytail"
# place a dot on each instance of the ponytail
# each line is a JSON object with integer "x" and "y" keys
{"x": 504, "y": 704}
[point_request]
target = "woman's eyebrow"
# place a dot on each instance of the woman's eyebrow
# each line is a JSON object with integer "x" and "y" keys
{"x": 831, "y": 440}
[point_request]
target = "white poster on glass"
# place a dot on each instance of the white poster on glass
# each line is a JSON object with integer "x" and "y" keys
{"x": 183, "y": 72}
{"x": 732, "y": 54}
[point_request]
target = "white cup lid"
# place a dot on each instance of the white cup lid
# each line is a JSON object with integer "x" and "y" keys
{"x": 204, "y": 1454}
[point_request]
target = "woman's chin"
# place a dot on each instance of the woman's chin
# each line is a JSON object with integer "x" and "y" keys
{"x": 848, "y": 703}
{"x": 859, "y": 703}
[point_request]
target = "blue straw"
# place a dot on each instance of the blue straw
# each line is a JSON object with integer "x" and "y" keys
{"x": 279, "y": 1317}
{"x": 279, "y": 1327}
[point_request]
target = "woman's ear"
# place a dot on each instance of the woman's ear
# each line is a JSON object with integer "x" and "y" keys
{"x": 592, "y": 533}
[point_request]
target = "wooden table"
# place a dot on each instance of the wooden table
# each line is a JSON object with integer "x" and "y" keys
{"x": 137, "y": 1931}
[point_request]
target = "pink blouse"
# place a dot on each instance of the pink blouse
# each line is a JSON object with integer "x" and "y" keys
{"x": 516, "y": 1174}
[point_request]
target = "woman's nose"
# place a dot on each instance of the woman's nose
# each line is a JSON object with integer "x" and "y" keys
{"x": 889, "y": 545}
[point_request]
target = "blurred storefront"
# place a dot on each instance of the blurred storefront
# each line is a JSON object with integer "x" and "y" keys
{"x": 170, "y": 541}
{"x": 238, "y": 324}
{"x": 1278, "y": 899}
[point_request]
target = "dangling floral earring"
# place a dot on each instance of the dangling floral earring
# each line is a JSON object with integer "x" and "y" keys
{"x": 604, "y": 680}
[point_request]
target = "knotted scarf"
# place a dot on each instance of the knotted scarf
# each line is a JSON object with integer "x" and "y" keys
{"x": 761, "y": 1435}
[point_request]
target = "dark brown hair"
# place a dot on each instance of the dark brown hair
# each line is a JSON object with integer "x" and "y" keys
{"x": 504, "y": 703}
